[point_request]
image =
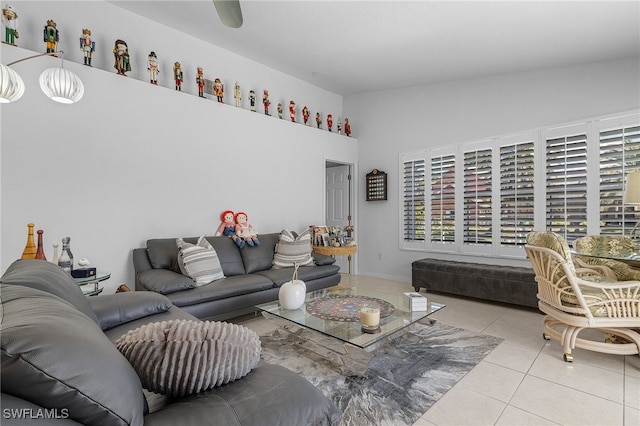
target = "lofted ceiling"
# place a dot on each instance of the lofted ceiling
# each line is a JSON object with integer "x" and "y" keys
{"x": 350, "y": 47}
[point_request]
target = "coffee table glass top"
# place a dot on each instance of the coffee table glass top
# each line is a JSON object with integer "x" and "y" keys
{"x": 350, "y": 332}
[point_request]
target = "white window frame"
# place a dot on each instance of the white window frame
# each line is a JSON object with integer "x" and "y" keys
{"x": 439, "y": 246}
{"x": 591, "y": 127}
{"x": 403, "y": 158}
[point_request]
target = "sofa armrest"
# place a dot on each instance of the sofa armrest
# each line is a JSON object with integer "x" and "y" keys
{"x": 322, "y": 259}
{"x": 163, "y": 281}
{"x": 113, "y": 310}
{"x": 141, "y": 262}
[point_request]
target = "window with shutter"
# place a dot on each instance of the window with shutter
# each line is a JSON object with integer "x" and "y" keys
{"x": 478, "y": 227}
{"x": 414, "y": 200}
{"x": 516, "y": 192}
{"x": 619, "y": 155}
{"x": 443, "y": 199}
{"x": 566, "y": 185}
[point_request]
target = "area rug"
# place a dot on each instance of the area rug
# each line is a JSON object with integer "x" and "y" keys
{"x": 347, "y": 308}
{"x": 406, "y": 376}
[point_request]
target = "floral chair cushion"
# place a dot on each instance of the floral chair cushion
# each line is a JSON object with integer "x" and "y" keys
{"x": 599, "y": 245}
{"x": 550, "y": 240}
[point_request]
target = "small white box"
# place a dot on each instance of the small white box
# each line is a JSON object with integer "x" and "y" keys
{"x": 414, "y": 301}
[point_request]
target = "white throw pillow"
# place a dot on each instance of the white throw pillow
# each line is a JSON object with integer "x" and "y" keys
{"x": 292, "y": 250}
{"x": 199, "y": 261}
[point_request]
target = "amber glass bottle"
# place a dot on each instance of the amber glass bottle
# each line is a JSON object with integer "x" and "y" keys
{"x": 30, "y": 249}
{"x": 40, "y": 253}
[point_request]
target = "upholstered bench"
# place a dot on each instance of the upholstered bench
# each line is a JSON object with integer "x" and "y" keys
{"x": 508, "y": 284}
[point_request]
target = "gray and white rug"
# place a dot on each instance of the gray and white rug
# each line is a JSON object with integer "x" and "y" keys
{"x": 406, "y": 376}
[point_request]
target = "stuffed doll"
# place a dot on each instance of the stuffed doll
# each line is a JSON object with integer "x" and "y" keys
{"x": 228, "y": 228}
{"x": 245, "y": 231}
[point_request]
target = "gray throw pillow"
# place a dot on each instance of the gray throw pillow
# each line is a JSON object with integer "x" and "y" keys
{"x": 182, "y": 357}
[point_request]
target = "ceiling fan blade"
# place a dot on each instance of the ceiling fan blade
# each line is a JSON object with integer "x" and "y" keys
{"x": 229, "y": 12}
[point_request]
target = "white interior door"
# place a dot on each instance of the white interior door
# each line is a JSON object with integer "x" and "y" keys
{"x": 338, "y": 202}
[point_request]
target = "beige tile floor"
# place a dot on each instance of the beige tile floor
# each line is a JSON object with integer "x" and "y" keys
{"x": 524, "y": 381}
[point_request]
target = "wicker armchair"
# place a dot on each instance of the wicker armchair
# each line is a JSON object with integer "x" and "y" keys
{"x": 573, "y": 302}
{"x": 606, "y": 246}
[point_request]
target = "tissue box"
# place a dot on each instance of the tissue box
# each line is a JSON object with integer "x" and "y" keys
{"x": 414, "y": 301}
{"x": 83, "y": 273}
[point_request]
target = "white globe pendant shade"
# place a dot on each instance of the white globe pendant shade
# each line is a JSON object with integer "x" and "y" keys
{"x": 61, "y": 85}
{"x": 11, "y": 85}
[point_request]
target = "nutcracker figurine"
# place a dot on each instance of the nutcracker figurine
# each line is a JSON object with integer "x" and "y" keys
{"x": 87, "y": 46}
{"x": 329, "y": 122}
{"x": 266, "y": 102}
{"x": 50, "y": 36}
{"x": 305, "y": 115}
{"x": 177, "y": 75}
{"x": 152, "y": 67}
{"x": 252, "y": 100}
{"x": 292, "y": 111}
{"x": 237, "y": 95}
{"x": 218, "y": 90}
{"x": 200, "y": 82}
{"x": 347, "y": 127}
{"x": 318, "y": 120}
{"x": 280, "y": 110}
{"x": 10, "y": 19}
{"x": 121, "y": 54}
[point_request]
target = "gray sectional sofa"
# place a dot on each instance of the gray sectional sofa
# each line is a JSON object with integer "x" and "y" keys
{"x": 249, "y": 276}
{"x": 60, "y": 365}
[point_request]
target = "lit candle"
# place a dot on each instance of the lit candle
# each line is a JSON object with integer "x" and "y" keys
{"x": 370, "y": 317}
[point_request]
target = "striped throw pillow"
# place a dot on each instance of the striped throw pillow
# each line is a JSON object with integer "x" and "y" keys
{"x": 292, "y": 250}
{"x": 199, "y": 261}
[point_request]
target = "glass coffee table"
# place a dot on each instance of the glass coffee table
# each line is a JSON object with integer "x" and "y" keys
{"x": 343, "y": 344}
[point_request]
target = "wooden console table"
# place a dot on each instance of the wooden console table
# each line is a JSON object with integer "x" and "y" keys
{"x": 337, "y": 251}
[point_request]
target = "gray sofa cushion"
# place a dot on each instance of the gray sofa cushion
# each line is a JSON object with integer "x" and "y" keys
{"x": 221, "y": 289}
{"x": 305, "y": 273}
{"x": 116, "y": 309}
{"x": 260, "y": 257}
{"x": 94, "y": 382}
{"x": 164, "y": 281}
{"x": 163, "y": 254}
{"x": 46, "y": 276}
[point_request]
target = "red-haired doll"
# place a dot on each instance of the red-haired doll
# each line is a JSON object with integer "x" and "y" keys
{"x": 245, "y": 231}
{"x": 228, "y": 227}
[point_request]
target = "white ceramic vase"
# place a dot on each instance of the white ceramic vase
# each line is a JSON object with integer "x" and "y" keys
{"x": 292, "y": 293}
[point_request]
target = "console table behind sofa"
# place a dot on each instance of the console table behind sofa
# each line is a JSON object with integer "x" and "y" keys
{"x": 508, "y": 284}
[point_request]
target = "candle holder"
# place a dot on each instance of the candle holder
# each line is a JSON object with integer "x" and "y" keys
{"x": 370, "y": 320}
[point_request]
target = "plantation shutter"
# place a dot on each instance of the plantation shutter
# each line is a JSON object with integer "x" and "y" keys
{"x": 516, "y": 192}
{"x": 566, "y": 186}
{"x": 619, "y": 155}
{"x": 477, "y": 197}
{"x": 414, "y": 200}
{"x": 443, "y": 199}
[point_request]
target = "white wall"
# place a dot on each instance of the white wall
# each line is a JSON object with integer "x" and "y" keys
{"x": 132, "y": 161}
{"x": 417, "y": 118}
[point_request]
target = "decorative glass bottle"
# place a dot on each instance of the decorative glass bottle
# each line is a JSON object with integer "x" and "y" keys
{"x": 30, "y": 249}
{"x": 40, "y": 253}
{"x": 56, "y": 255}
{"x": 66, "y": 257}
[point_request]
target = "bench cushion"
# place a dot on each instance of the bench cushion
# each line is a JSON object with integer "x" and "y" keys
{"x": 500, "y": 283}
